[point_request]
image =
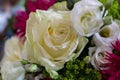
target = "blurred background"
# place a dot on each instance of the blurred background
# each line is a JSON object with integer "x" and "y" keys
{"x": 8, "y": 11}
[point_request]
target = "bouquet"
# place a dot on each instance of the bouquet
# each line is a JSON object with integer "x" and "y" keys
{"x": 64, "y": 40}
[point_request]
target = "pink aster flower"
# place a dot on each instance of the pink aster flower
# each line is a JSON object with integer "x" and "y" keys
{"x": 113, "y": 65}
{"x": 32, "y": 5}
{"x": 115, "y": 76}
{"x": 20, "y": 24}
{"x": 117, "y": 46}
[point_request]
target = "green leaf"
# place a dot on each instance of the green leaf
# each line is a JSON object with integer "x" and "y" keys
{"x": 70, "y": 3}
{"x": 109, "y": 3}
{"x": 24, "y": 62}
{"x": 114, "y": 10}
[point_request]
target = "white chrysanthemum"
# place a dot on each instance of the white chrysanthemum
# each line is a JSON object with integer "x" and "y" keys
{"x": 12, "y": 71}
{"x": 11, "y": 68}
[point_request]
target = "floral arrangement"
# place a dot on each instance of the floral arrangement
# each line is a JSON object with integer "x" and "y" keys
{"x": 64, "y": 40}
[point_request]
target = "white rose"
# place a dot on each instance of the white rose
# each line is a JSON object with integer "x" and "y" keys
{"x": 86, "y": 17}
{"x": 11, "y": 68}
{"x": 51, "y": 41}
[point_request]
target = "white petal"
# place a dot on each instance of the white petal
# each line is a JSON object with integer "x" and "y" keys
{"x": 97, "y": 55}
{"x": 111, "y": 30}
{"x": 12, "y": 71}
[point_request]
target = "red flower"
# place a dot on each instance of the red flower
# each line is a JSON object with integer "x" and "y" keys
{"x": 32, "y": 5}
{"x": 117, "y": 46}
{"x": 115, "y": 76}
{"x": 113, "y": 64}
{"x": 20, "y": 24}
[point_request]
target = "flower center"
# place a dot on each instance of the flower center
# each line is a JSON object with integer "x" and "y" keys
{"x": 58, "y": 39}
{"x": 105, "y": 32}
{"x": 59, "y": 34}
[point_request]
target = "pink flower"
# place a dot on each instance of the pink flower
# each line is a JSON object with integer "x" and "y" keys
{"x": 115, "y": 76}
{"x": 113, "y": 65}
{"x": 20, "y": 24}
{"x": 32, "y": 5}
{"x": 117, "y": 46}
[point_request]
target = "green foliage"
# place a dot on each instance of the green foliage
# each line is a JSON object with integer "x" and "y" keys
{"x": 70, "y": 3}
{"x": 24, "y": 62}
{"x": 60, "y": 0}
{"x": 0, "y": 77}
{"x": 103, "y": 1}
{"x": 73, "y": 70}
{"x": 114, "y": 10}
{"x": 78, "y": 70}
